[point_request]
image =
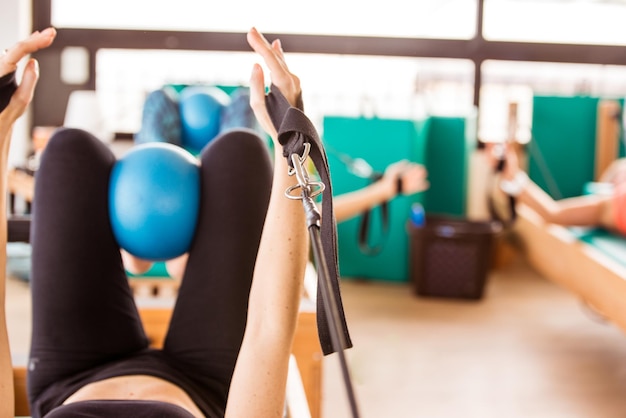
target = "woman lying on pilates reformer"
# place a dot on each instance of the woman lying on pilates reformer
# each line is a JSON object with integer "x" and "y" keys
{"x": 607, "y": 210}
{"x": 228, "y": 345}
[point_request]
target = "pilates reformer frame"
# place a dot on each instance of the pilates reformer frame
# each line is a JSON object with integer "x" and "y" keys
{"x": 560, "y": 256}
{"x": 557, "y": 254}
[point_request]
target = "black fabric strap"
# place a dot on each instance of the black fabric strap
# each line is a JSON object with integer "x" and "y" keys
{"x": 512, "y": 202}
{"x": 364, "y": 226}
{"x": 8, "y": 85}
{"x": 294, "y": 130}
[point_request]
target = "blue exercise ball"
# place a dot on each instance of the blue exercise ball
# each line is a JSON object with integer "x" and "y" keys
{"x": 154, "y": 200}
{"x": 200, "y": 114}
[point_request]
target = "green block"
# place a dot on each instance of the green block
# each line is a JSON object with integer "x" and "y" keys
{"x": 180, "y": 87}
{"x": 380, "y": 142}
{"x": 451, "y": 141}
{"x": 561, "y": 155}
{"x": 598, "y": 188}
{"x": 610, "y": 244}
{"x": 157, "y": 270}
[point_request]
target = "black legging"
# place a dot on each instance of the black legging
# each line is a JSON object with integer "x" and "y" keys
{"x": 84, "y": 313}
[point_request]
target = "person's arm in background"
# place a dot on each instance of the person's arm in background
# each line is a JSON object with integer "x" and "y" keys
{"x": 259, "y": 380}
{"x": 16, "y": 107}
{"x": 590, "y": 210}
{"x": 413, "y": 180}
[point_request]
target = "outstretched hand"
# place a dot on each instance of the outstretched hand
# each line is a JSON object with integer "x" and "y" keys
{"x": 9, "y": 60}
{"x": 412, "y": 175}
{"x": 494, "y": 152}
{"x": 281, "y": 77}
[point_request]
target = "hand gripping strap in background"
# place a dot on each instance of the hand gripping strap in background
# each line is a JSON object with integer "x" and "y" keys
{"x": 508, "y": 220}
{"x": 7, "y": 88}
{"x": 294, "y": 129}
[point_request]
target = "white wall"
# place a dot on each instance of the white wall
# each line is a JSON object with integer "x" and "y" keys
{"x": 15, "y": 24}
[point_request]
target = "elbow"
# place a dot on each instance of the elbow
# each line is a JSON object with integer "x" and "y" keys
{"x": 551, "y": 216}
{"x": 264, "y": 332}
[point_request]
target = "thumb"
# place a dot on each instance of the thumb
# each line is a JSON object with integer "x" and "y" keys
{"x": 257, "y": 101}
{"x": 25, "y": 91}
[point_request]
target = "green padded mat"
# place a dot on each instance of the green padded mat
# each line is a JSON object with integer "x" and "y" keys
{"x": 380, "y": 142}
{"x": 608, "y": 243}
{"x": 562, "y": 150}
{"x": 561, "y": 155}
{"x": 451, "y": 140}
{"x": 442, "y": 144}
{"x": 158, "y": 270}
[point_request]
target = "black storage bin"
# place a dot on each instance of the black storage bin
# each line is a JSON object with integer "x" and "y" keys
{"x": 451, "y": 257}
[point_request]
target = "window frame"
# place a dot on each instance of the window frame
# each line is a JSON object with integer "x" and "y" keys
{"x": 477, "y": 49}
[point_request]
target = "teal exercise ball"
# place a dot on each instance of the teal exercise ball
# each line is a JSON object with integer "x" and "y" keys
{"x": 154, "y": 200}
{"x": 200, "y": 115}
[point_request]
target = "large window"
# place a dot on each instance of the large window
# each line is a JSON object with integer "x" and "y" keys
{"x": 395, "y": 80}
{"x": 392, "y": 87}
{"x": 449, "y": 19}
{"x": 556, "y": 21}
{"x": 506, "y": 82}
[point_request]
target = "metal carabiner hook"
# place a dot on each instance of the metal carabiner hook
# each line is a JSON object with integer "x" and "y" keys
{"x": 309, "y": 188}
{"x": 300, "y": 159}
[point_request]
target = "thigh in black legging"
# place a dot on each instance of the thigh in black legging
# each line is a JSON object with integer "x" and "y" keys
{"x": 209, "y": 318}
{"x": 83, "y": 310}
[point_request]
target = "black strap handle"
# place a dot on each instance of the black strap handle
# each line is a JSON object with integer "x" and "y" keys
{"x": 364, "y": 226}
{"x": 294, "y": 130}
{"x": 511, "y": 200}
{"x": 8, "y": 85}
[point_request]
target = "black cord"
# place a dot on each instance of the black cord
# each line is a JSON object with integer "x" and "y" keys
{"x": 328, "y": 298}
{"x": 364, "y": 226}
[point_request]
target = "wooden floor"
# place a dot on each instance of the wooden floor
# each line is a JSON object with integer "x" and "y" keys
{"x": 528, "y": 349}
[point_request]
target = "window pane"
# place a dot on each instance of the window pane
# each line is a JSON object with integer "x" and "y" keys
{"x": 332, "y": 84}
{"x": 555, "y": 21}
{"x": 453, "y": 19}
{"x": 506, "y": 82}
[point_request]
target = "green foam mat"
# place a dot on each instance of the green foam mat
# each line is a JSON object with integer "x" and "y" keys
{"x": 380, "y": 142}
{"x": 610, "y": 244}
{"x": 158, "y": 270}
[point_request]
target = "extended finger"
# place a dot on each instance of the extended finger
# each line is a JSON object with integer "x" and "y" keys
{"x": 25, "y": 91}
{"x": 277, "y": 46}
{"x": 262, "y": 47}
{"x": 287, "y": 83}
{"x": 12, "y": 56}
{"x": 257, "y": 100}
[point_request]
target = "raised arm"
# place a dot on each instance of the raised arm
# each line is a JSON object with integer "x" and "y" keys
{"x": 259, "y": 380}
{"x": 591, "y": 210}
{"x": 16, "y": 103}
{"x": 413, "y": 180}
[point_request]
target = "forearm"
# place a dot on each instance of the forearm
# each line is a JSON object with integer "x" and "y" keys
{"x": 6, "y": 366}
{"x": 16, "y": 98}
{"x": 282, "y": 255}
{"x": 351, "y": 204}
{"x": 273, "y": 306}
{"x": 579, "y": 211}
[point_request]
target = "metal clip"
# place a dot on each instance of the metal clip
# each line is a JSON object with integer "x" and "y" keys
{"x": 300, "y": 160}
{"x": 308, "y": 188}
